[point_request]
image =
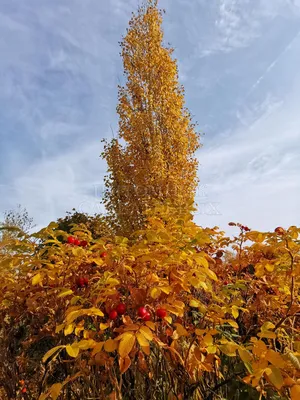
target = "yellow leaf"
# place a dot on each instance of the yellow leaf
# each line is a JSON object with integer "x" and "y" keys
{"x": 267, "y": 335}
{"x": 72, "y": 350}
{"x": 103, "y": 326}
{"x": 51, "y": 352}
{"x": 211, "y": 349}
{"x": 69, "y": 329}
{"x": 112, "y": 281}
{"x": 201, "y": 260}
{"x": 168, "y": 319}
{"x": 37, "y": 279}
{"x": 269, "y": 267}
{"x": 295, "y": 392}
{"x": 166, "y": 289}
{"x": 142, "y": 340}
{"x": 55, "y": 390}
{"x": 65, "y": 292}
{"x": 229, "y": 349}
{"x": 131, "y": 327}
{"x": 74, "y": 300}
{"x": 211, "y": 274}
{"x": 275, "y": 377}
{"x": 267, "y": 326}
{"x": 110, "y": 345}
{"x": 232, "y": 323}
{"x": 151, "y": 324}
{"x": 275, "y": 359}
{"x": 97, "y": 348}
{"x": 208, "y": 340}
{"x": 78, "y": 251}
{"x": 179, "y": 304}
{"x": 78, "y": 313}
{"x": 86, "y": 344}
{"x": 195, "y": 303}
{"x": 155, "y": 293}
{"x": 245, "y": 355}
{"x": 235, "y": 311}
{"x": 126, "y": 344}
{"x": 144, "y": 330}
{"x": 259, "y": 348}
{"x": 204, "y": 286}
{"x": 181, "y": 330}
{"x": 59, "y": 328}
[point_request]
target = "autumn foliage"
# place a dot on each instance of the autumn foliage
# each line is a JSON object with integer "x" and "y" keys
{"x": 157, "y": 161}
{"x": 154, "y": 307}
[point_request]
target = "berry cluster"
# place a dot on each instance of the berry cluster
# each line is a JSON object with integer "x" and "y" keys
{"x": 22, "y": 384}
{"x": 77, "y": 242}
{"x": 119, "y": 310}
{"x": 142, "y": 312}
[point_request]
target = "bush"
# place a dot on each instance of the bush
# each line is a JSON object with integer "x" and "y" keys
{"x": 227, "y": 323}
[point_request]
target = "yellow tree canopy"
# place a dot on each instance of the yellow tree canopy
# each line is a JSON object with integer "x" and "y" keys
{"x": 157, "y": 160}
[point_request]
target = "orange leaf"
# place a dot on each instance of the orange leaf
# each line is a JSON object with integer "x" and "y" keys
{"x": 124, "y": 364}
{"x": 295, "y": 392}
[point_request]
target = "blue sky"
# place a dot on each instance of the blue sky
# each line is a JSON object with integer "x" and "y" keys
{"x": 238, "y": 60}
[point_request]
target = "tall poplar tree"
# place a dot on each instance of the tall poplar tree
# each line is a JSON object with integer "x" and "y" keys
{"x": 153, "y": 157}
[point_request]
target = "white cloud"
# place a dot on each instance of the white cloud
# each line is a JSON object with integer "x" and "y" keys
{"x": 238, "y": 23}
{"x": 50, "y": 187}
{"x": 254, "y": 172}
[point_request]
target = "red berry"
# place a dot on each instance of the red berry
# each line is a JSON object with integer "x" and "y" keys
{"x": 24, "y": 390}
{"x": 85, "y": 281}
{"x": 71, "y": 239}
{"x": 22, "y": 382}
{"x": 219, "y": 253}
{"x": 142, "y": 311}
{"x": 83, "y": 243}
{"x": 161, "y": 312}
{"x": 80, "y": 282}
{"x": 103, "y": 254}
{"x": 76, "y": 242}
{"x": 146, "y": 317}
{"x": 121, "y": 309}
{"x": 113, "y": 314}
{"x": 246, "y": 228}
{"x": 279, "y": 230}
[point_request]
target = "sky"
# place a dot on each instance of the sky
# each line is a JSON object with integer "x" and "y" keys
{"x": 238, "y": 61}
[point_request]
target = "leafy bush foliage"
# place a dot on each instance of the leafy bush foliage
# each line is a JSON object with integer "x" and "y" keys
{"x": 222, "y": 314}
{"x": 97, "y": 224}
